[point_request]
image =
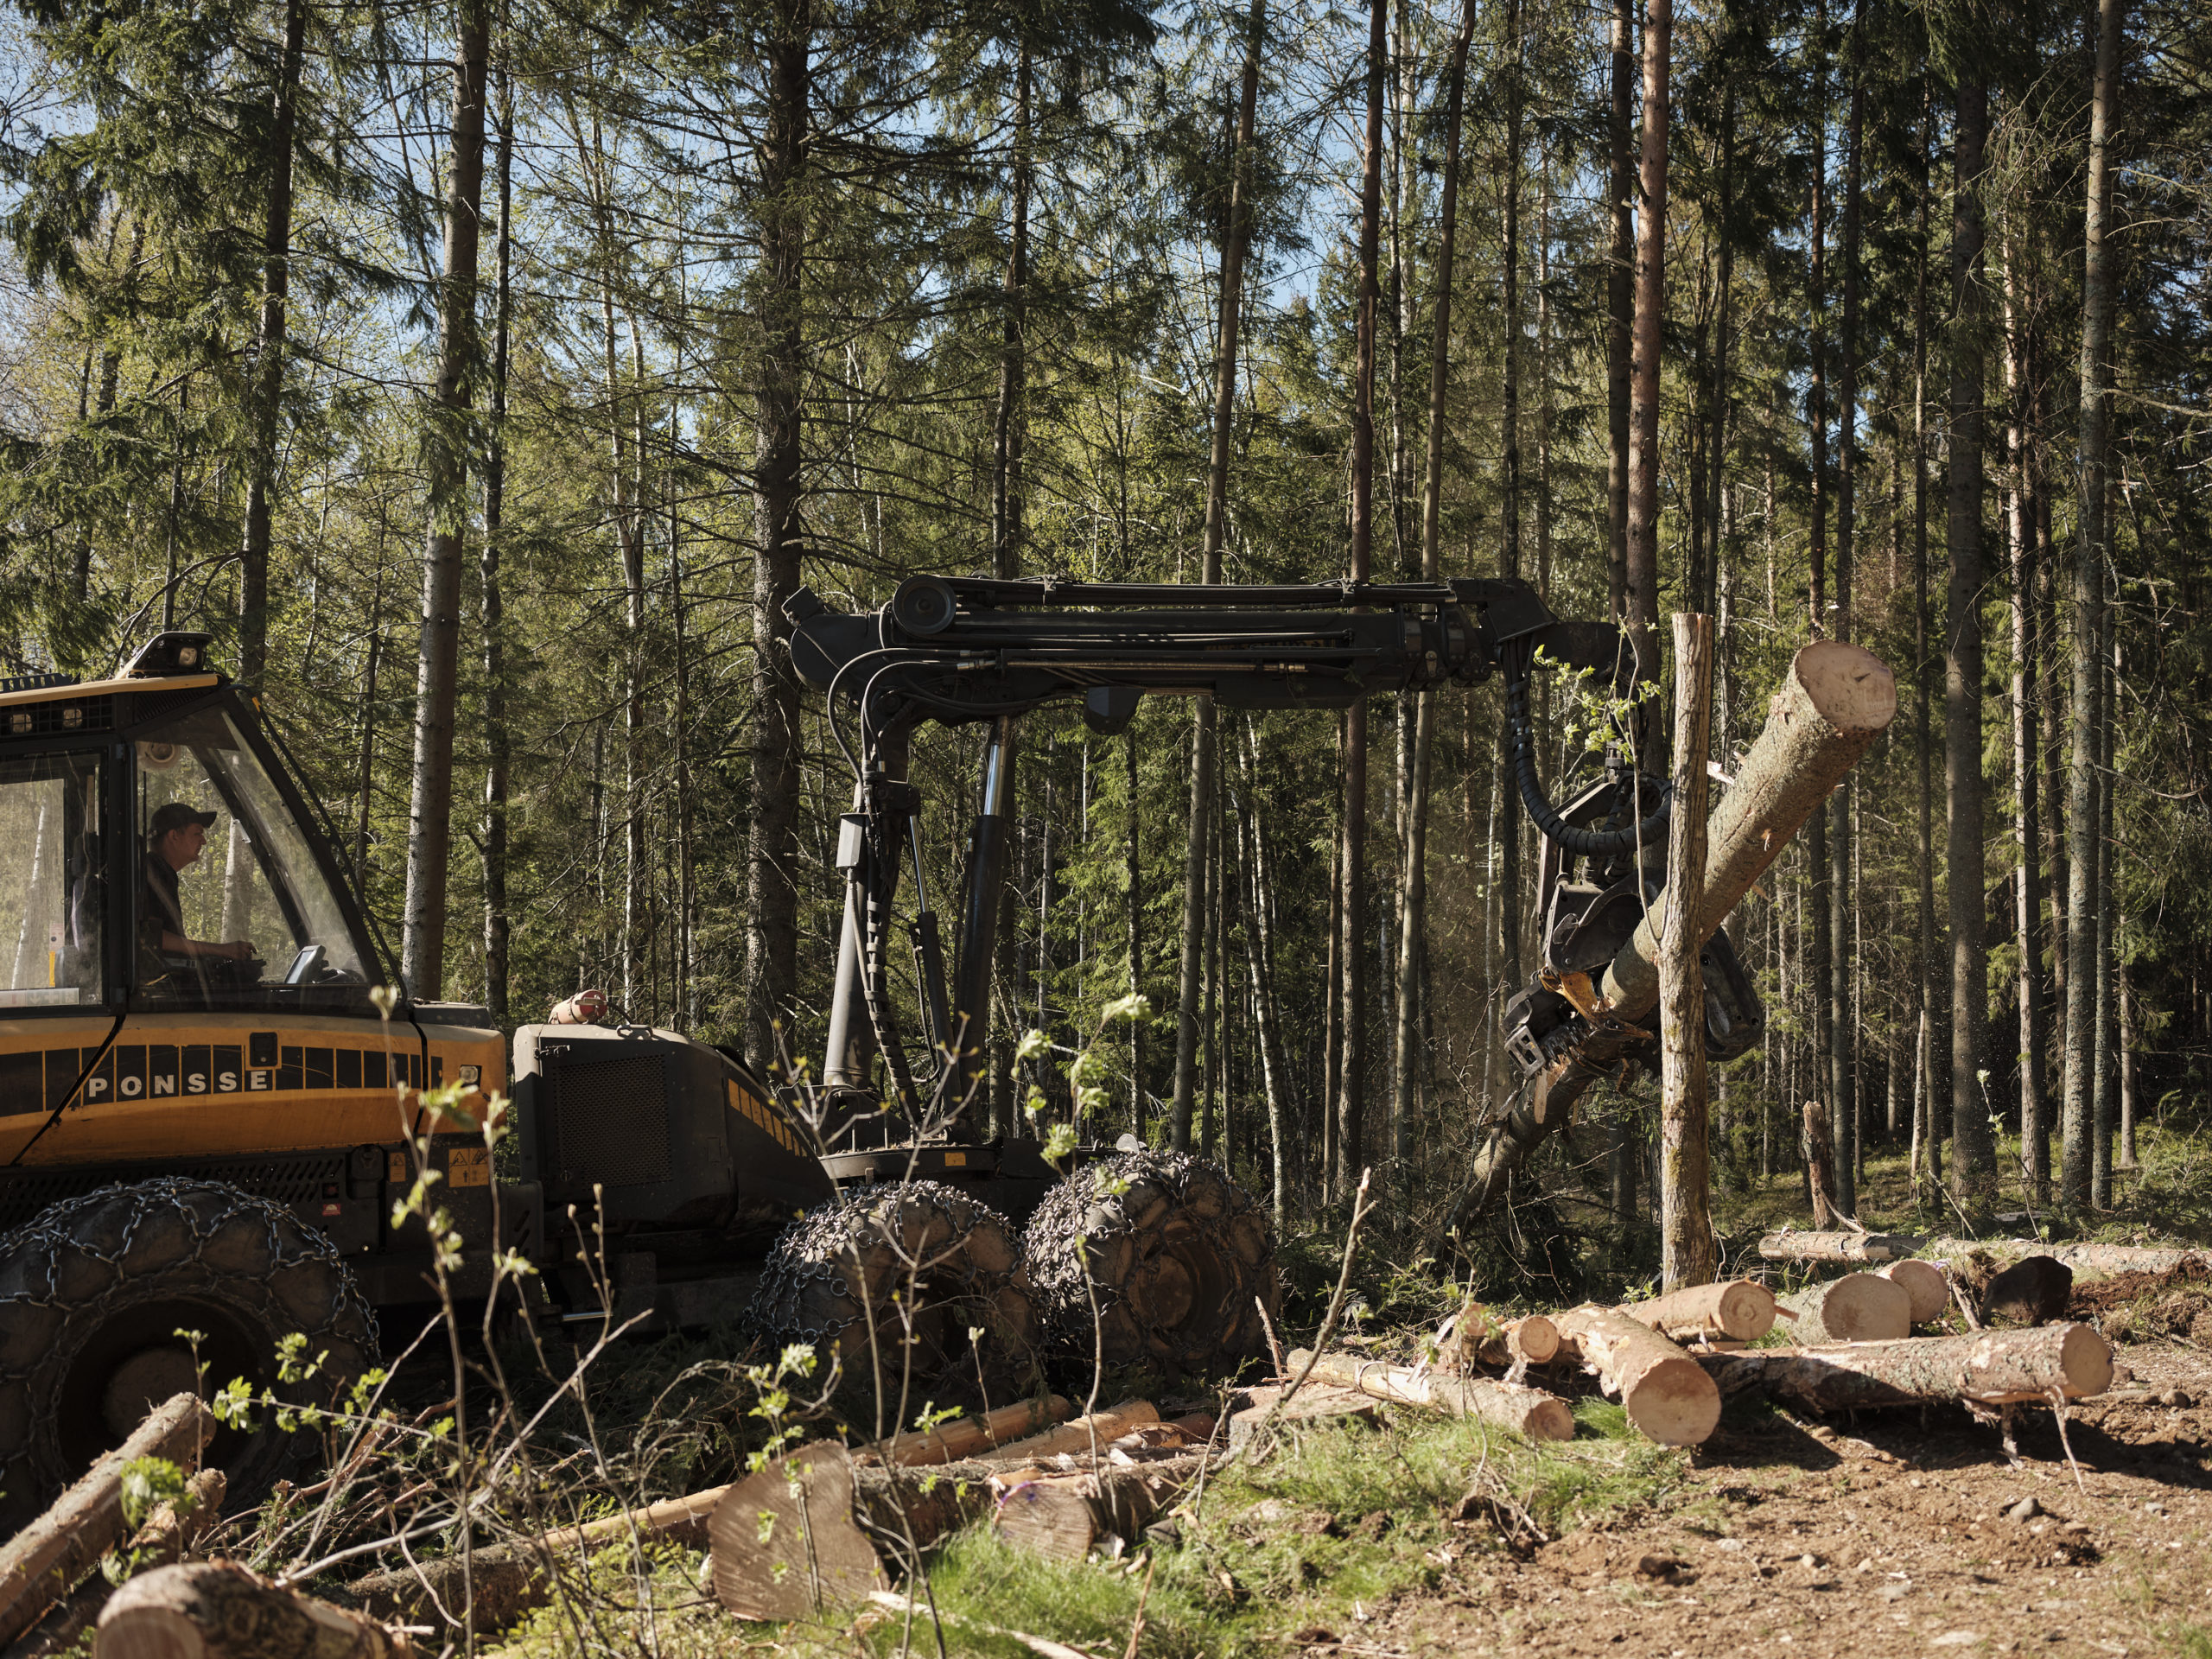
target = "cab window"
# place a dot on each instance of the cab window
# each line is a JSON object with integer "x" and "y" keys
{"x": 231, "y": 899}
{"x": 53, "y": 892}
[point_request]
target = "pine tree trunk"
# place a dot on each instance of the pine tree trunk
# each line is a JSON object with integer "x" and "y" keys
{"x": 1843, "y": 1055}
{"x": 430, "y": 840}
{"x": 779, "y": 398}
{"x": 2027, "y": 752}
{"x": 1203, "y": 738}
{"x": 1352, "y": 1109}
{"x": 267, "y": 383}
{"x": 1620, "y": 302}
{"x": 1644, "y": 459}
{"x": 1973, "y": 1158}
{"x": 1133, "y": 875}
{"x": 1413, "y": 887}
{"x": 2103, "y": 1096}
{"x": 1823, "y": 952}
{"x": 2083, "y": 808}
{"x": 1934, "y": 1085}
{"x": 1685, "y": 1196}
{"x": 497, "y": 749}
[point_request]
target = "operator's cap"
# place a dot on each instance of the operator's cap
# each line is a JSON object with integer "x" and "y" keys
{"x": 176, "y": 816}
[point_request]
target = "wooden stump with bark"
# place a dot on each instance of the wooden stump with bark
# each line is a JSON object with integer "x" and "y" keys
{"x": 217, "y": 1610}
{"x": 1857, "y": 1308}
{"x": 817, "y": 1530}
{"x": 1989, "y": 1368}
{"x": 1818, "y": 1147}
{"x": 1529, "y": 1412}
{"x": 1667, "y": 1396}
{"x": 1741, "y": 1310}
{"x": 1063, "y": 1517}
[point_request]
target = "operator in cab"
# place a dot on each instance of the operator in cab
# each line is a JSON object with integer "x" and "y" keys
{"x": 174, "y": 837}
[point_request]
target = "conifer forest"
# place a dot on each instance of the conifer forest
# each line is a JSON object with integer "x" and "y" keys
{"x": 486, "y": 376}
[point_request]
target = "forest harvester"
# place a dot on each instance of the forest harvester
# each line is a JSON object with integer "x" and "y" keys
{"x": 208, "y": 1111}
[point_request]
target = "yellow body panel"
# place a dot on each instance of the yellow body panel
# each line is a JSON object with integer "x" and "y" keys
{"x": 187, "y": 1084}
{"x": 103, "y": 688}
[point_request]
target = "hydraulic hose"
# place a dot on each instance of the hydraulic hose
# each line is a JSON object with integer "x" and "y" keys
{"x": 1586, "y": 844}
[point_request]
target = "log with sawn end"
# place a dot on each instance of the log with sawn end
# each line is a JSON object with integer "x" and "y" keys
{"x": 1857, "y": 1308}
{"x": 1741, "y": 1310}
{"x": 817, "y": 1530}
{"x": 1667, "y": 1396}
{"x": 1530, "y": 1412}
{"x": 2088, "y": 1261}
{"x": 1924, "y": 1282}
{"x": 1064, "y": 1516}
{"x": 1837, "y": 1247}
{"x": 1989, "y": 1368}
{"x": 40, "y": 1563}
{"x": 170, "y": 1534}
{"x": 1078, "y": 1436}
{"x": 217, "y": 1610}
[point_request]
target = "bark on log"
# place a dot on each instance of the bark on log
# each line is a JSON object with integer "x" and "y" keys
{"x": 1923, "y": 1281}
{"x": 1991, "y": 1368}
{"x": 969, "y": 1436}
{"x": 1666, "y": 1394}
{"x": 1835, "y": 701}
{"x": 1063, "y": 1517}
{"x": 40, "y": 1563}
{"x": 2088, "y": 1261}
{"x": 167, "y": 1536}
{"x": 1741, "y": 1310}
{"x": 1857, "y": 1308}
{"x": 1471, "y": 1337}
{"x": 816, "y": 1529}
{"x": 1837, "y": 1247}
{"x": 1314, "y": 1403}
{"x": 217, "y": 1610}
{"x": 1076, "y": 1437}
{"x": 1529, "y": 1412}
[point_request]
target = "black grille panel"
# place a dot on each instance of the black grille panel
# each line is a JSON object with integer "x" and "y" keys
{"x": 609, "y": 1118}
{"x": 298, "y": 1182}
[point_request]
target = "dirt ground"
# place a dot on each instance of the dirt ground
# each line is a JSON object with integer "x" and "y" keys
{"x": 1889, "y": 1536}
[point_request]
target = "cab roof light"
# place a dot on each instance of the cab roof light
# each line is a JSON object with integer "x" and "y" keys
{"x": 175, "y": 652}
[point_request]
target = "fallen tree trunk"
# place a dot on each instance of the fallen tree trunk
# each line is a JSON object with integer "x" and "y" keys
{"x": 1739, "y": 1309}
{"x": 1063, "y": 1517}
{"x": 817, "y": 1530}
{"x": 1835, "y": 700}
{"x": 40, "y": 1563}
{"x": 1990, "y": 1368}
{"x": 1837, "y": 1247}
{"x": 2088, "y": 1261}
{"x": 1857, "y": 1308}
{"x": 1529, "y": 1412}
{"x": 169, "y": 1534}
{"x": 217, "y": 1610}
{"x": 1666, "y": 1394}
{"x": 1924, "y": 1283}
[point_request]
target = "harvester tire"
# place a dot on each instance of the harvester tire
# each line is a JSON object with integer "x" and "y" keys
{"x": 921, "y": 1266}
{"x": 92, "y": 1293}
{"x": 1178, "y": 1262}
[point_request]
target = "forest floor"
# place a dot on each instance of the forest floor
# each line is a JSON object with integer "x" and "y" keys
{"x": 1896, "y": 1532}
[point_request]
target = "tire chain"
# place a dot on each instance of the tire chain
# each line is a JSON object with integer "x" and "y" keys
{"x": 1112, "y": 1222}
{"x": 43, "y": 1261}
{"x": 833, "y": 1263}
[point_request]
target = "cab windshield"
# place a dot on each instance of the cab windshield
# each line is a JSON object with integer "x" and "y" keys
{"x": 231, "y": 900}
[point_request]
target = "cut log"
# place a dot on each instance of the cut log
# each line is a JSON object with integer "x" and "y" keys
{"x": 1924, "y": 1283}
{"x": 2088, "y": 1261}
{"x": 816, "y": 1529}
{"x": 1471, "y": 1337}
{"x": 217, "y": 1610}
{"x": 40, "y": 1563}
{"x": 1314, "y": 1403}
{"x": 1529, "y": 1412}
{"x": 169, "y": 1534}
{"x": 966, "y": 1437}
{"x": 1063, "y": 1517}
{"x": 1078, "y": 1436}
{"x": 1837, "y": 1247}
{"x": 1666, "y": 1395}
{"x": 1857, "y": 1308}
{"x": 1741, "y": 1310}
{"x": 1990, "y": 1368}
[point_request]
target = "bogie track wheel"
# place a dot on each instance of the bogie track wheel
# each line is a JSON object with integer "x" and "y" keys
{"x": 93, "y": 1295}
{"x": 934, "y": 1275}
{"x": 1179, "y": 1262}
